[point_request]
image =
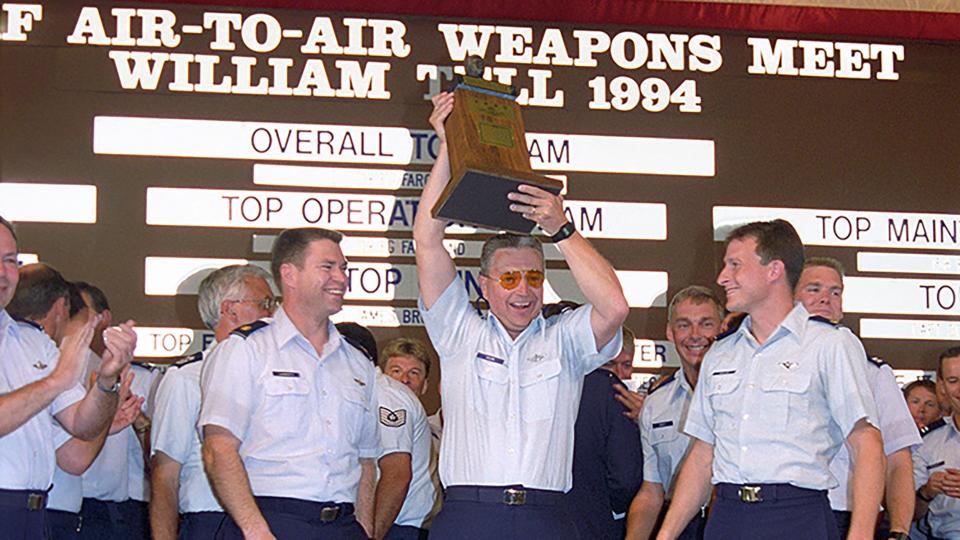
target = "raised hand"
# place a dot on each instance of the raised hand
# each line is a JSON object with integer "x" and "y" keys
{"x": 120, "y": 342}
{"x": 130, "y": 404}
{"x": 633, "y": 401}
{"x": 73, "y": 355}
{"x": 540, "y": 206}
{"x": 442, "y": 107}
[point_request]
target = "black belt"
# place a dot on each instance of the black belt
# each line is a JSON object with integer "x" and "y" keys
{"x": 508, "y": 495}
{"x": 324, "y": 512}
{"x": 23, "y": 498}
{"x": 755, "y": 493}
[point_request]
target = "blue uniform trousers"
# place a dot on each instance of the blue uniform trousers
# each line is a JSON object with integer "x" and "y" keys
{"x": 199, "y": 525}
{"x": 406, "y": 532}
{"x": 297, "y": 519}
{"x": 127, "y": 520}
{"x": 785, "y": 511}
{"x": 483, "y": 512}
{"x": 693, "y": 531}
{"x": 23, "y": 514}
{"x": 63, "y": 525}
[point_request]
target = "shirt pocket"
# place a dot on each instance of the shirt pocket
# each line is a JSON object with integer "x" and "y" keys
{"x": 721, "y": 392}
{"x": 285, "y": 399}
{"x": 353, "y": 411}
{"x": 663, "y": 433}
{"x": 539, "y": 386}
{"x": 785, "y": 400}
{"x": 492, "y": 389}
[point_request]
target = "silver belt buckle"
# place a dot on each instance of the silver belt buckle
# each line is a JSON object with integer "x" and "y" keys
{"x": 329, "y": 513}
{"x": 34, "y": 501}
{"x": 750, "y": 494}
{"x": 514, "y": 497}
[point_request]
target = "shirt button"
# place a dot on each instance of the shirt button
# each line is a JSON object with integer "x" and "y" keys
{"x": 510, "y": 451}
{"x": 751, "y": 386}
{"x": 743, "y": 448}
{"x": 746, "y": 417}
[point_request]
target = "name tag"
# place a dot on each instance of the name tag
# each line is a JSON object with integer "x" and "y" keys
{"x": 290, "y": 374}
{"x": 937, "y": 464}
{"x": 727, "y": 372}
{"x": 668, "y": 423}
{"x": 490, "y": 358}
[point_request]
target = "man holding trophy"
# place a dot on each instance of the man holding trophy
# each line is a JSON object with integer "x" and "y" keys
{"x": 511, "y": 380}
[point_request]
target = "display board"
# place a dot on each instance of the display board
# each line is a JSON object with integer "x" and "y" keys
{"x": 144, "y": 145}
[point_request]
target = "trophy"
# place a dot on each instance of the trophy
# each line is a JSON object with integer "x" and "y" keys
{"x": 488, "y": 155}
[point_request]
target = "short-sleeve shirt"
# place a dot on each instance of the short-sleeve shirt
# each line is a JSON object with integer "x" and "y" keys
{"x": 174, "y": 433}
{"x": 117, "y": 474}
{"x": 510, "y": 405}
{"x": 67, "y": 492}
{"x": 778, "y": 412}
{"x": 896, "y": 426}
{"x": 940, "y": 451}
{"x": 403, "y": 428}
{"x": 28, "y": 453}
{"x": 304, "y": 419}
{"x": 664, "y": 444}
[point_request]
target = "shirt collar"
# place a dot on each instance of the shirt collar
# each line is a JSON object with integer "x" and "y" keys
{"x": 6, "y": 322}
{"x": 285, "y": 331}
{"x": 538, "y": 324}
{"x": 793, "y": 324}
{"x": 684, "y": 383}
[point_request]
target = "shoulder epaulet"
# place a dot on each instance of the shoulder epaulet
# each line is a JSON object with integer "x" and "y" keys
{"x": 662, "y": 381}
{"x": 187, "y": 360}
{"x": 247, "y": 329}
{"x": 34, "y": 324}
{"x": 824, "y": 320}
{"x": 875, "y": 361}
{"x": 932, "y": 426}
{"x": 729, "y": 332}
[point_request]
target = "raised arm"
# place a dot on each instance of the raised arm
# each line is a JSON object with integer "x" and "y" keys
{"x": 592, "y": 272}
{"x": 435, "y": 268}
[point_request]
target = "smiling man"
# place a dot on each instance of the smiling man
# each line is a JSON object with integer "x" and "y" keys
{"x": 820, "y": 290}
{"x": 776, "y": 399}
{"x": 693, "y": 321}
{"x": 511, "y": 380}
{"x": 289, "y": 414}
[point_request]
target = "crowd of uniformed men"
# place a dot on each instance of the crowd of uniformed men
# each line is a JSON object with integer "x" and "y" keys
{"x": 777, "y": 425}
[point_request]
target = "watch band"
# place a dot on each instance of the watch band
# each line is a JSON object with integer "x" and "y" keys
{"x": 898, "y": 536}
{"x": 922, "y": 496}
{"x": 109, "y": 389}
{"x": 566, "y": 231}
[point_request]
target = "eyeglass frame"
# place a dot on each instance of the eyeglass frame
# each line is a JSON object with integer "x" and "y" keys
{"x": 269, "y": 304}
{"x": 521, "y": 274}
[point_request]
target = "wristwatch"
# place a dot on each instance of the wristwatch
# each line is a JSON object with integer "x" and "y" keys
{"x": 109, "y": 389}
{"x": 566, "y": 231}
{"x": 898, "y": 536}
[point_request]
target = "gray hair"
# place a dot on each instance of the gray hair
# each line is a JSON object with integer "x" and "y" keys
{"x": 696, "y": 294}
{"x": 226, "y": 283}
{"x": 504, "y": 241}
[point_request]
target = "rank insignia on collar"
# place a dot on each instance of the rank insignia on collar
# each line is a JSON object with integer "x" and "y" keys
{"x": 359, "y": 381}
{"x": 40, "y": 365}
{"x": 788, "y": 365}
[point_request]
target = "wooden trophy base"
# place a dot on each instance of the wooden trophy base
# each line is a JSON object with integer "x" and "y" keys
{"x": 488, "y": 159}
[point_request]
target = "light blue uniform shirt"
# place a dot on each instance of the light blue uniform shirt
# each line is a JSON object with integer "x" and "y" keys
{"x": 28, "y": 453}
{"x": 118, "y": 474}
{"x": 67, "y": 492}
{"x": 896, "y": 426}
{"x": 403, "y": 428}
{"x": 664, "y": 444}
{"x": 779, "y": 412}
{"x": 940, "y": 451}
{"x": 174, "y": 432}
{"x": 304, "y": 419}
{"x": 509, "y": 407}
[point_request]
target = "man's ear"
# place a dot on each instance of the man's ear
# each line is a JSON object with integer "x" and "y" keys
{"x": 776, "y": 270}
{"x": 670, "y": 333}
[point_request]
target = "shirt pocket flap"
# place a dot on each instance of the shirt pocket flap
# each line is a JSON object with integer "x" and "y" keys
{"x": 285, "y": 386}
{"x": 794, "y": 383}
{"x": 542, "y": 371}
{"x": 722, "y": 384}
{"x": 492, "y": 372}
{"x": 662, "y": 432}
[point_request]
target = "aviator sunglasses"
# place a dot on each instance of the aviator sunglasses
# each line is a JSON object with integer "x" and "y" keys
{"x": 511, "y": 280}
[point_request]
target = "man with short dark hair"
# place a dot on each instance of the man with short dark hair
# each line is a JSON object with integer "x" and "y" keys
{"x": 511, "y": 380}
{"x": 289, "y": 412}
{"x": 936, "y": 464}
{"x": 820, "y": 290}
{"x": 693, "y": 321}
{"x": 181, "y": 497}
{"x": 775, "y": 400}
{"x": 39, "y": 385}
